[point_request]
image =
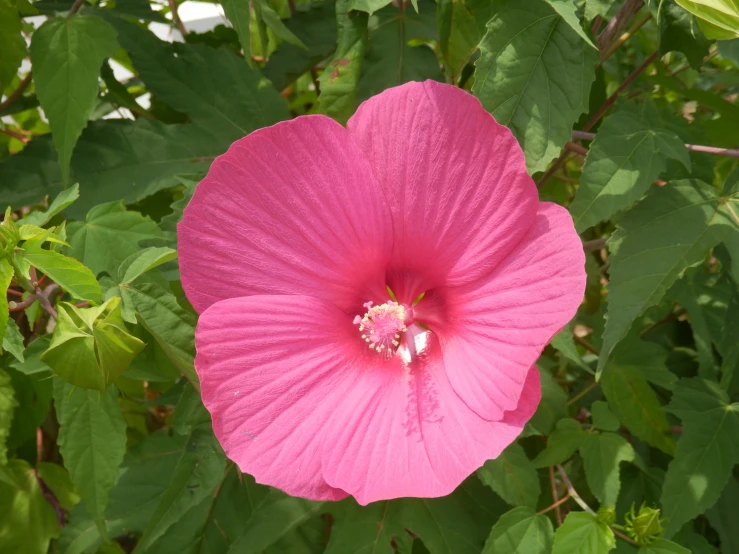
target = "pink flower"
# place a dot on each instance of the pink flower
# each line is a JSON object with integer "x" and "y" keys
{"x": 321, "y": 381}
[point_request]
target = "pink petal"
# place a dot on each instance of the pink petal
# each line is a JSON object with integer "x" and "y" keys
{"x": 289, "y": 209}
{"x": 272, "y": 370}
{"x": 504, "y": 321}
{"x": 407, "y": 433}
{"x": 456, "y": 180}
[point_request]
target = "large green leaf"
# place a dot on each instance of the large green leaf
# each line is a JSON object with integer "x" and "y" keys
{"x": 658, "y": 239}
{"x": 679, "y": 32}
{"x": 663, "y": 546}
{"x": 706, "y": 452}
{"x": 390, "y": 59}
{"x": 718, "y": 19}
{"x": 722, "y": 517}
{"x": 29, "y": 522}
{"x": 458, "y": 36}
{"x": 238, "y": 13}
{"x": 109, "y": 235}
{"x": 67, "y": 272}
{"x": 7, "y": 405}
{"x": 623, "y": 161}
{"x": 198, "y": 472}
{"x": 602, "y": 454}
{"x": 534, "y": 75}
{"x": 455, "y": 524}
{"x": 582, "y": 533}
{"x": 67, "y": 54}
{"x": 520, "y": 530}
{"x": 92, "y": 439}
{"x": 113, "y": 160}
{"x": 12, "y": 44}
{"x": 631, "y": 397}
{"x": 168, "y": 322}
{"x": 339, "y": 82}
{"x": 513, "y": 477}
{"x": 220, "y": 93}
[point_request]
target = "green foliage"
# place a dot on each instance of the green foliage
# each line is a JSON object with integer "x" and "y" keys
{"x": 106, "y": 446}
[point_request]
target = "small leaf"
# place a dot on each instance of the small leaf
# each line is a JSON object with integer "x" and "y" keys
{"x": 520, "y": 530}
{"x": 513, "y": 477}
{"x": 553, "y": 404}
{"x": 13, "y": 340}
{"x": 238, "y": 13}
{"x": 663, "y": 546}
{"x": 718, "y": 19}
{"x": 369, "y": 6}
{"x": 6, "y": 275}
{"x": 67, "y": 272}
{"x": 566, "y": 10}
{"x": 142, "y": 261}
{"x": 64, "y": 199}
{"x": 602, "y": 454}
{"x": 57, "y": 479}
{"x": 458, "y": 36}
{"x": 722, "y": 516}
{"x": 12, "y": 44}
{"x": 92, "y": 440}
{"x": 273, "y": 21}
{"x": 582, "y": 533}
{"x": 67, "y": 54}
{"x": 561, "y": 444}
{"x": 679, "y": 32}
{"x": 603, "y": 418}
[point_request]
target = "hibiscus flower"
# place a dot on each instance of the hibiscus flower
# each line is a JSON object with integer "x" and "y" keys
{"x": 373, "y": 298}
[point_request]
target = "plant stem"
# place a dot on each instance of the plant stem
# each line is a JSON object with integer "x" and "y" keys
{"x": 572, "y": 492}
{"x": 621, "y": 535}
{"x": 591, "y": 245}
{"x": 554, "y": 506}
{"x": 553, "y": 483}
{"x": 585, "y": 344}
{"x": 732, "y": 153}
{"x": 176, "y": 18}
{"x": 15, "y": 135}
{"x": 13, "y": 96}
{"x": 616, "y": 25}
{"x": 626, "y": 36}
{"x": 582, "y": 393}
{"x": 76, "y": 6}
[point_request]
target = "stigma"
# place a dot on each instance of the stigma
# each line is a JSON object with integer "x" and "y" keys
{"x": 382, "y": 325}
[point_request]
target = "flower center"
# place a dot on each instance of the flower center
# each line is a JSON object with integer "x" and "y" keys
{"x": 381, "y": 326}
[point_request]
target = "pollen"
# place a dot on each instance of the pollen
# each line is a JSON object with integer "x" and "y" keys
{"x": 382, "y": 325}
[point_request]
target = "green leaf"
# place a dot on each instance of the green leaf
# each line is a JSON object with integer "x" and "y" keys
{"x": 316, "y": 28}
{"x": 391, "y": 60}
{"x": 197, "y": 474}
{"x": 629, "y": 395}
{"x": 722, "y": 517}
{"x": 67, "y": 54}
{"x": 92, "y": 440}
{"x": 458, "y": 36}
{"x": 29, "y": 522}
{"x": 564, "y": 342}
{"x": 220, "y": 93}
{"x": 273, "y": 21}
{"x": 169, "y": 324}
{"x": 67, "y": 272}
{"x": 603, "y": 418}
{"x": 12, "y": 44}
{"x": 142, "y": 261}
{"x": 238, "y": 13}
{"x": 340, "y": 80}
{"x": 566, "y": 9}
{"x": 520, "y": 530}
{"x": 679, "y": 32}
{"x": 109, "y": 235}
{"x": 582, "y": 533}
{"x": 6, "y": 275}
{"x": 113, "y": 160}
{"x": 663, "y": 235}
{"x": 57, "y": 479}
{"x": 602, "y": 454}
{"x": 706, "y": 452}
{"x": 91, "y": 347}
{"x": 63, "y": 200}
{"x": 623, "y": 161}
{"x": 7, "y": 405}
{"x": 553, "y": 404}
{"x": 534, "y": 76}
{"x": 561, "y": 444}
{"x": 513, "y": 477}
{"x": 455, "y": 524}
{"x": 663, "y": 546}
{"x": 369, "y": 6}
{"x": 13, "y": 340}
{"x": 718, "y": 19}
